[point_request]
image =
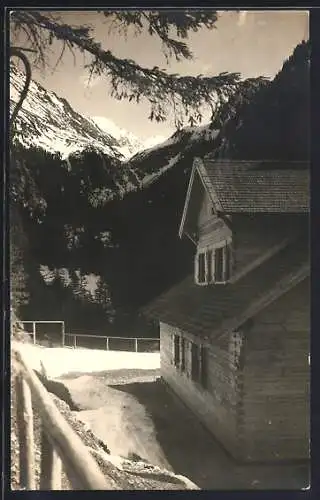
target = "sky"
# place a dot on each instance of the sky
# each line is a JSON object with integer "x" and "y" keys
{"x": 253, "y": 43}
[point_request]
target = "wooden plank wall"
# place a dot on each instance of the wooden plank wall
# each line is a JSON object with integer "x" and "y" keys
{"x": 217, "y": 406}
{"x": 211, "y": 228}
{"x": 276, "y": 380}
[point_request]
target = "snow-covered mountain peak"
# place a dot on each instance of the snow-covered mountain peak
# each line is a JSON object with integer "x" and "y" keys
{"x": 130, "y": 143}
{"x": 48, "y": 121}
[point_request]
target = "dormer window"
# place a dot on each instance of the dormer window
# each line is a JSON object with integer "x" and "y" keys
{"x": 214, "y": 264}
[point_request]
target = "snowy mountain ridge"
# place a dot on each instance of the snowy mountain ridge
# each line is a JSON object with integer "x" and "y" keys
{"x": 130, "y": 144}
{"x": 49, "y": 122}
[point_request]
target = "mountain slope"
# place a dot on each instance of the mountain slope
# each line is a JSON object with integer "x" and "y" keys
{"x": 264, "y": 122}
{"x": 153, "y": 162}
{"x": 49, "y": 122}
{"x": 275, "y": 123}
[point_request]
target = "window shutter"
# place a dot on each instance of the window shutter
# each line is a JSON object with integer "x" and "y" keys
{"x": 172, "y": 349}
{"x": 195, "y": 362}
{"x": 228, "y": 262}
{"x": 204, "y": 367}
{"x": 177, "y": 350}
{"x": 183, "y": 354}
{"x": 196, "y": 269}
{"x": 218, "y": 264}
{"x": 188, "y": 358}
{"x": 201, "y": 268}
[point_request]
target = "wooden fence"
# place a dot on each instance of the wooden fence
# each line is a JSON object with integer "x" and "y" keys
{"x": 60, "y": 445}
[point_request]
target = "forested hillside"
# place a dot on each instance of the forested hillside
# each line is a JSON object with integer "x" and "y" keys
{"x": 89, "y": 219}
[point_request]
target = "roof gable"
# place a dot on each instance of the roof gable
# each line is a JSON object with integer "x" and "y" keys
{"x": 252, "y": 186}
{"x": 193, "y": 201}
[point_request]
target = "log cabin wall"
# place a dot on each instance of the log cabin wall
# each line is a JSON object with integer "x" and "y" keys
{"x": 217, "y": 405}
{"x": 275, "y": 424}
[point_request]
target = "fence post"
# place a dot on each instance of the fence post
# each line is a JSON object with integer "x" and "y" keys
{"x": 136, "y": 344}
{"x": 51, "y": 466}
{"x": 107, "y": 344}
{"x": 74, "y": 341}
{"x": 63, "y": 334}
{"x": 25, "y": 434}
{"x": 34, "y": 331}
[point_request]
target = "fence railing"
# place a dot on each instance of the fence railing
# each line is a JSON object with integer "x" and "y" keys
{"x": 135, "y": 342}
{"x": 60, "y": 445}
{"x": 34, "y": 326}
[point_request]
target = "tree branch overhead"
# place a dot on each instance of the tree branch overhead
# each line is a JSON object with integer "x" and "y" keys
{"x": 186, "y": 95}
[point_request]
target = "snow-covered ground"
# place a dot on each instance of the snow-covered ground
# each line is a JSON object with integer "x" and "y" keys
{"x": 115, "y": 417}
{"x": 61, "y": 361}
{"x": 132, "y": 412}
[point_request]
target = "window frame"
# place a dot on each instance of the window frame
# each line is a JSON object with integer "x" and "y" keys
{"x": 196, "y": 369}
{"x": 200, "y": 254}
{"x": 227, "y": 263}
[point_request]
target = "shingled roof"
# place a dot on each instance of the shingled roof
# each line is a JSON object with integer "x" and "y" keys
{"x": 209, "y": 311}
{"x": 259, "y": 186}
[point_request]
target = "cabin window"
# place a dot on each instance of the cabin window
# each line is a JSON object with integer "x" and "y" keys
{"x": 198, "y": 362}
{"x": 214, "y": 265}
{"x": 176, "y": 350}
